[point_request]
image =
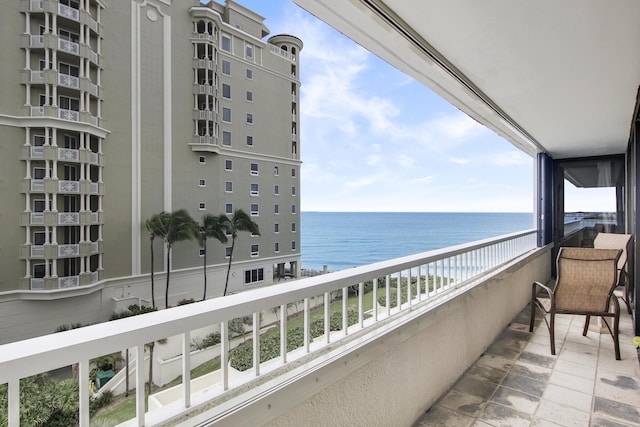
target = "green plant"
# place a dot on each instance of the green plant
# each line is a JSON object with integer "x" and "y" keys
{"x": 105, "y": 399}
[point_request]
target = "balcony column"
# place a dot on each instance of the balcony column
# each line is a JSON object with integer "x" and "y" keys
{"x": 47, "y": 16}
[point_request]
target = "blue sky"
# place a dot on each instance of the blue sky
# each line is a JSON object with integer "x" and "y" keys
{"x": 372, "y": 139}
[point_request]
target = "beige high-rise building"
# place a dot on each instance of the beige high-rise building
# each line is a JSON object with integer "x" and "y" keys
{"x": 112, "y": 111}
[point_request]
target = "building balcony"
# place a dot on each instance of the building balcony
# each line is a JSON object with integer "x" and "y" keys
{"x": 204, "y": 115}
{"x": 68, "y": 12}
{"x": 414, "y": 348}
{"x": 208, "y": 144}
{"x": 68, "y": 81}
{"x": 68, "y": 46}
{"x": 203, "y": 63}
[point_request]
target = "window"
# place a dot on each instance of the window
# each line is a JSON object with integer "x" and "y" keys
{"x": 249, "y": 96}
{"x": 39, "y": 173}
{"x": 68, "y": 69}
{"x": 39, "y": 205}
{"x": 254, "y": 209}
{"x": 202, "y": 251}
{"x": 71, "y": 3}
{"x": 226, "y": 137}
{"x": 254, "y": 169}
{"x": 293, "y": 173}
{"x": 38, "y": 271}
{"x": 275, "y": 171}
{"x": 255, "y": 249}
{"x": 226, "y": 114}
{"x": 68, "y": 36}
{"x": 228, "y": 208}
{"x": 254, "y": 190}
{"x": 202, "y": 183}
{"x": 249, "y": 74}
{"x": 276, "y": 228}
{"x": 249, "y": 118}
{"x": 202, "y": 160}
{"x": 226, "y": 91}
{"x": 250, "y": 141}
{"x": 202, "y": 206}
{"x": 293, "y": 191}
{"x": 226, "y": 43}
{"x": 276, "y": 247}
{"x": 276, "y": 190}
{"x": 39, "y": 238}
{"x": 39, "y": 140}
{"x": 293, "y": 209}
{"x": 276, "y": 208}
{"x": 228, "y": 187}
{"x": 293, "y": 227}
{"x": 67, "y": 103}
{"x": 293, "y": 245}
{"x": 228, "y": 165}
{"x": 248, "y": 51}
{"x": 227, "y": 252}
{"x": 226, "y": 67}
{"x": 253, "y": 276}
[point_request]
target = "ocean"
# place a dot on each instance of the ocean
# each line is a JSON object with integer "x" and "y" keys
{"x": 343, "y": 240}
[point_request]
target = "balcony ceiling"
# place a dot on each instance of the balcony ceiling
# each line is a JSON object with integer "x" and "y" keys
{"x": 553, "y": 76}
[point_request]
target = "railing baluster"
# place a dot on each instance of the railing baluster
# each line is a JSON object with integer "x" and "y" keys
{"x": 14, "y": 402}
{"x": 409, "y": 294}
{"x": 327, "y": 317}
{"x": 224, "y": 354}
{"x": 388, "y": 294}
{"x": 139, "y": 350}
{"x": 345, "y": 315}
{"x": 307, "y": 326}
{"x": 361, "y": 304}
{"x": 186, "y": 369}
{"x": 256, "y": 343}
{"x": 418, "y": 284}
{"x": 283, "y": 333}
{"x": 375, "y": 299}
{"x": 399, "y": 291}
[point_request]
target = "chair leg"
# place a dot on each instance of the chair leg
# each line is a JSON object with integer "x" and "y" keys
{"x": 586, "y": 325}
{"x": 533, "y": 316}
{"x": 552, "y": 322}
{"x": 616, "y": 327}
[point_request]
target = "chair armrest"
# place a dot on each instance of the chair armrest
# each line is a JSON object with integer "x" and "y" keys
{"x": 537, "y": 285}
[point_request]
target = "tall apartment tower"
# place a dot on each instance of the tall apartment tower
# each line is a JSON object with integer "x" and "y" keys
{"x": 112, "y": 111}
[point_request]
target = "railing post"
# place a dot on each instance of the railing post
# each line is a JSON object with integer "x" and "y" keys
{"x": 186, "y": 368}
{"x": 83, "y": 391}
{"x": 388, "y": 294}
{"x": 283, "y": 333}
{"x": 14, "y": 402}
{"x": 307, "y": 326}
{"x": 345, "y": 315}
{"x": 256, "y": 343}
{"x": 140, "y": 384}
{"x": 409, "y": 295}
{"x": 224, "y": 354}
{"x": 327, "y": 317}
{"x": 375, "y": 299}
{"x": 361, "y": 304}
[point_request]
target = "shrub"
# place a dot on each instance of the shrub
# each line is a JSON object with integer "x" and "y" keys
{"x": 208, "y": 341}
{"x": 105, "y": 399}
{"x": 186, "y": 301}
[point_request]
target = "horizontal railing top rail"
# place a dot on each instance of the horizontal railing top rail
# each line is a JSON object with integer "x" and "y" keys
{"x": 439, "y": 271}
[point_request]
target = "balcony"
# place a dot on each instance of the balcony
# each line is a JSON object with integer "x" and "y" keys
{"x": 68, "y": 115}
{"x": 473, "y": 292}
{"x": 68, "y": 46}
{"x": 65, "y": 186}
{"x": 69, "y": 218}
{"x": 68, "y": 282}
{"x": 68, "y": 154}
{"x": 203, "y": 143}
{"x": 69, "y": 81}
{"x": 68, "y": 12}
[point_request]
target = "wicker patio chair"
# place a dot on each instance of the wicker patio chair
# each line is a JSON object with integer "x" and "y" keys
{"x": 585, "y": 283}
{"x": 618, "y": 241}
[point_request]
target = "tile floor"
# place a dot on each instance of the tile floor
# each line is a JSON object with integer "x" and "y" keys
{"x": 517, "y": 382}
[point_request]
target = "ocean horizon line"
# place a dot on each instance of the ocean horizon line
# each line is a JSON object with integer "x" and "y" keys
{"x": 418, "y": 212}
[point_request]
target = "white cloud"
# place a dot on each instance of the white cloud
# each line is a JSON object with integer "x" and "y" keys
{"x": 361, "y": 182}
{"x": 423, "y": 179}
{"x": 459, "y": 160}
{"x": 512, "y": 158}
{"x": 405, "y": 160}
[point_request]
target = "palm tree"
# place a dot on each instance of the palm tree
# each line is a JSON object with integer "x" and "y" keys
{"x": 211, "y": 226}
{"x": 240, "y": 221}
{"x": 173, "y": 227}
{"x": 152, "y": 227}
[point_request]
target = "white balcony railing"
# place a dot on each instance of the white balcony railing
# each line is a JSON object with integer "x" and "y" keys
{"x": 69, "y": 115}
{"x": 35, "y": 5}
{"x": 94, "y": 188}
{"x": 95, "y": 248}
{"x": 95, "y": 218}
{"x": 67, "y": 80}
{"x": 68, "y": 12}
{"x": 68, "y": 186}
{"x": 37, "y": 251}
{"x": 66, "y": 251}
{"x": 93, "y": 158}
{"x": 449, "y": 270}
{"x": 37, "y": 185}
{"x": 93, "y": 56}
{"x": 37, "y": 111}
{"x": 37, "y": 76}
{"x": 282, "y": 52}
{"x": 68, "y": 282}
{"x": 95, "y": 277}
{"x": 69, "y": 46}
{"x": 37, "y": 284}
{"x": 36, "y": 218}
{"x": 68, "y": 154}
{"x": 37, "y": 41}
{"x": 68, "y": 218}
{"x": 37, "y": 152}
